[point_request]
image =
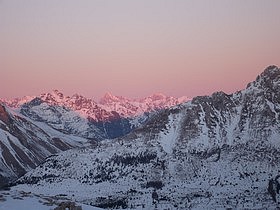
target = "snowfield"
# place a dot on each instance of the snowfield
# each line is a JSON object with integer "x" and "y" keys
{"x": 19, "y": 200}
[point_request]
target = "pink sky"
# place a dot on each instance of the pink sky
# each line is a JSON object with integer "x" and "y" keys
{"x": 135, "y": 48}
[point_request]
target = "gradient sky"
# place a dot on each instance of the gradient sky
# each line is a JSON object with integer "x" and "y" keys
{"x": 135, "y": 48}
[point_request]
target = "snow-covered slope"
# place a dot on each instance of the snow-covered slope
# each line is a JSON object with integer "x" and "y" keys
{"x": 214, "y": 152}
{"x": 24, "y": 144}
{"x": 15, "y": 200}
{"x": 60, "y": 118}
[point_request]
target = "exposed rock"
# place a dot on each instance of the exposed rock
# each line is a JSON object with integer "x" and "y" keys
{"x": 68, "y": 206}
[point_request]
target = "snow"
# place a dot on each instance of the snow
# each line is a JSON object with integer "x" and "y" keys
{"x": 61, "y": 118}
{"x": 125, "y": 107}
{"x": 167, "y": 138}
{"x": 15, "y": 200}
{"x": 70, "y": 139}
{"x": 219, "y": 179}
{"x": 23, "y": 204}
{"x": 183, "y": 99}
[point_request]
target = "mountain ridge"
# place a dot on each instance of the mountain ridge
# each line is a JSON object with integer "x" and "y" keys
{"x": 108, "y": 102}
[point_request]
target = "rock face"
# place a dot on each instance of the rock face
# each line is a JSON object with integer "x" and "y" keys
{"x": 218, "y": 151}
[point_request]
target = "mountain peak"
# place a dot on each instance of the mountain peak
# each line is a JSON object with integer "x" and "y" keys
{"x": 272, "y": 72}
{"x": 77, "y": 96}
{"x": 109, "y": 98}
{"x": 108, "y": 95}
{"x": 269, "y": 78}
{"x": 57, "y": 92}
{"x": 272, "y": 68}
{"x": 158, "y": 96}
{"x": 53, "y": 97}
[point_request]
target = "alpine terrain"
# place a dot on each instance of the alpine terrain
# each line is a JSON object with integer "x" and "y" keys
{"x": 33, "y": 128}
{"x": 112, "y": 117}
{"x": 25, "y": 143}
{"x": 213, "y": 152}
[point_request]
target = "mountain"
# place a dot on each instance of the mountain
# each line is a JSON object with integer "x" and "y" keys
{"x": 108, "y": 108}
{"x": 60, "y": 118}
{"x": 34, "y": 128}
{"x": 129, "y": 108}
{"x": 25, "y": 144}
{"x": 17, "y": 102}
{"x": 85, "y": 107}
{"x": 113, "y": 117}
{"x": 214, "y": 152}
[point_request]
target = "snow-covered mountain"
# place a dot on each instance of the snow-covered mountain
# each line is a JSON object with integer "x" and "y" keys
{"x": 17, "y": 102}
{"x": 214, "y": 152}
{"x": 110, "y": 107}
{"x": 61, "y": 118}
{"x": 85, "y": 107}
{"x": 113, "y": 117}
{"x": 25, "y": 144}
{"x": 35, "y": 127}
{"x": 129, "y": 108}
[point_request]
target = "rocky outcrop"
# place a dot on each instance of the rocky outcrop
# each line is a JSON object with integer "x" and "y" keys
{"x": 68, "y": 206}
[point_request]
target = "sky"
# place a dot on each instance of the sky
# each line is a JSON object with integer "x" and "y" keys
{"x": 135, "y": 48}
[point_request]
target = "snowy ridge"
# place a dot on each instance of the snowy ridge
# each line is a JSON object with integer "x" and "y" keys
{"x": 214, "y": 152}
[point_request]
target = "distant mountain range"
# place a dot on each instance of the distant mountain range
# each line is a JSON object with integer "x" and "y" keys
{"x": 35, "y": 127}
{"x": 109, "y": 107}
